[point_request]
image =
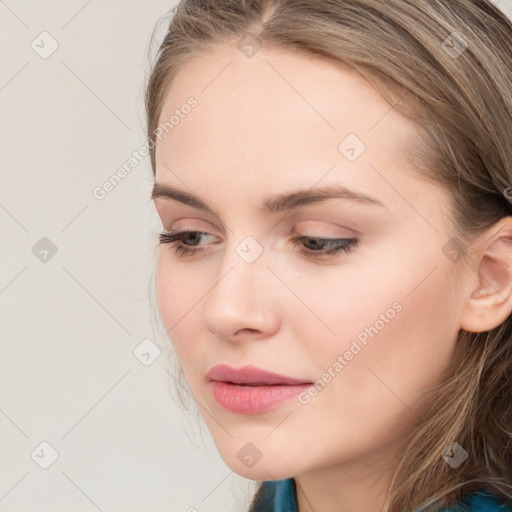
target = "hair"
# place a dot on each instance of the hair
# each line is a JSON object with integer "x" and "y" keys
{"x": 460, "y": 98}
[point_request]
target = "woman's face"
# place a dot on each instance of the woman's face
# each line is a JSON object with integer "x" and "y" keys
{"x": 374, "y": 326}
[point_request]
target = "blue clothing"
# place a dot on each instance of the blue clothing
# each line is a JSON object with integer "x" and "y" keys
{"x": 280, "y": 496}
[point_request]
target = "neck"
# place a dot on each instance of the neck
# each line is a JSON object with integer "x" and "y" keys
{"x": 358, "y": 485}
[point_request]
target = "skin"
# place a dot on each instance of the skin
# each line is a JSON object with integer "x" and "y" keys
{"x": 257, "y": 132}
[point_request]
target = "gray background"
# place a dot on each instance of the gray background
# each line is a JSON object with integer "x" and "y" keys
{"x": 71, "y": 319}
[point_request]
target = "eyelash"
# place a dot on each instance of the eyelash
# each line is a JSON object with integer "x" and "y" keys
{"x": 346, "y": 245}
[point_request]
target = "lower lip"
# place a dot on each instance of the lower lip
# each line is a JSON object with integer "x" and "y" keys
{"x": 253, "y": 399}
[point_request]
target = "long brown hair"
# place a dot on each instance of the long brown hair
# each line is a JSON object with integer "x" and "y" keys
{"x": 447, "y": 65}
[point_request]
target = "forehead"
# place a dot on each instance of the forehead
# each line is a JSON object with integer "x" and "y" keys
{"x": 278, "y": 119}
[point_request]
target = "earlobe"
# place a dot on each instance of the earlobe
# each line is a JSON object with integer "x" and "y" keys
{"x": 489, "y": 302}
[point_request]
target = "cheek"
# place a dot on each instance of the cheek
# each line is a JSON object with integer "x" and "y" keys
{"x": 393, "y": 321}
{"x": 395, "y": 334}
{"x": 166, "y": 291}
{"x": 176, "y": 301}
{"x": 420, "y": 346}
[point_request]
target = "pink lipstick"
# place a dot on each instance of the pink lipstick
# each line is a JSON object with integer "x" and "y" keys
{"x": 251, "y": 390}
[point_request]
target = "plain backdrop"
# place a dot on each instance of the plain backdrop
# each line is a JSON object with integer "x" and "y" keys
{"x": 87, "y": 417}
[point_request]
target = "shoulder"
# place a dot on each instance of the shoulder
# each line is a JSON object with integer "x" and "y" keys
{"x": 480, "y": 501}
{"x": 484, "y": 501}
{"x": 280, "y": 496}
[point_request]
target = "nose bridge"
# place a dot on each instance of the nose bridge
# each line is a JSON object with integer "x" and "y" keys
{"x": 241, "y": 272}
{"x": 240, "y": 295}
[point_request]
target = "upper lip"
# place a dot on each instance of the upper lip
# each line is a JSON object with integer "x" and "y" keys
{"x": 250, "y": 375}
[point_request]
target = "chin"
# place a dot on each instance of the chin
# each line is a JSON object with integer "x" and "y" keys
{"x": 264, "y": 469}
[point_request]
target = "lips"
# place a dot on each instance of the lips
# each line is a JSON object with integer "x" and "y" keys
{"x": 252, "y": 390}
{"x": 251, "y": 376}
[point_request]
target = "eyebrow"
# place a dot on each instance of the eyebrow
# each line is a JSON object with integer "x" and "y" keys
{"x": 276, "y": 203}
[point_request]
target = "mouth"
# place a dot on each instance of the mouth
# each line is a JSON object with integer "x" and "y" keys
{"x": 253, "y": 398}
{"x": 251, "y": 376}
{"x": 251, "y": 390}
{"x": 246, "y": 385}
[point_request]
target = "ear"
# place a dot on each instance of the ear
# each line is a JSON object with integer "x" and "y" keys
{"x": 489, "y": 301}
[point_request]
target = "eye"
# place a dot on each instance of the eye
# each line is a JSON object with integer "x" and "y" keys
{"x": 170, "y": 237}
{"x": 334, "y": 245}
{"x": 321, "y": 247}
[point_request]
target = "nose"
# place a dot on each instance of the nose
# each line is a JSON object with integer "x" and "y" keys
{"x": 242, "y": 301}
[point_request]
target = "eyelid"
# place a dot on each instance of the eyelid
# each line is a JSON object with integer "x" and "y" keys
{"x": 304, "y": 226}
{"x": 331, "y": 232}
{"x": 186, "y": 227}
